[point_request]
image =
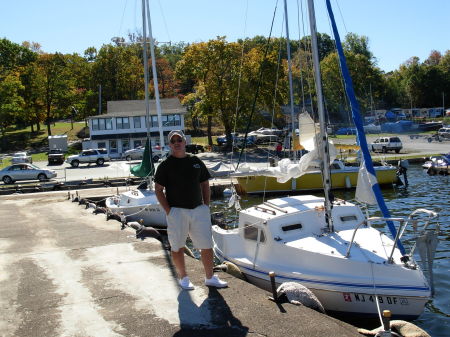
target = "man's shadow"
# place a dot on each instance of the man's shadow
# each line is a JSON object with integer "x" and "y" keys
{"x": 212, "y": 317}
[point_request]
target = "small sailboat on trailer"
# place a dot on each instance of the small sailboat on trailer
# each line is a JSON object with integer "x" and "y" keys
{"x": 142, "y": 204}
{"x": 329, "y": 245}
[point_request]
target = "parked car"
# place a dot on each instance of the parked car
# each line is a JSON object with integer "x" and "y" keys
{"x": 385, "y": 144}
{"x": 25, "y": 171}
{"x": 265, "y": 135}
{"x": 138, "y": 153}
{"x": 21, "y": 157}
{"x": 194, "y": 148}
{"x": 97, "y": 156}
{"x": 222, "y": 140}
{"x": 55, "y": 156}
{"x": 444, "y": 133}
{"x": 133, "y": 154}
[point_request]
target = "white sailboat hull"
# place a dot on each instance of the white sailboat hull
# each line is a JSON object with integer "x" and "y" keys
{"x": 344, "y": 285}
{"x": 138, "y": 205}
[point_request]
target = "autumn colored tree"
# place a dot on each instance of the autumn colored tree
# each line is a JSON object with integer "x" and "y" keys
{"x": 226, "y": 81}
{"x": 52, "y": 71}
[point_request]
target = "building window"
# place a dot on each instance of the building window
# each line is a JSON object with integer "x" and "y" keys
{"x": 101, "y": 145}
{"x": 137, "y": 122}
{"x": 172, "y": 120}
{"x": 102, "y": 124}
{"x": 108, "y": 123}
{"x": 122, "y": 123}
{"x": 154, "y": 121}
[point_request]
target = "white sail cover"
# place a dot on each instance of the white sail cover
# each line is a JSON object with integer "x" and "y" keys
{"x": 364, "y": 191}
{"x": 307, "y": 131}
{"x": 287, "y": 169}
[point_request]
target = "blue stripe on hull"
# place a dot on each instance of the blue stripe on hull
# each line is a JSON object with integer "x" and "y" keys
{"x": 331, "y": 283}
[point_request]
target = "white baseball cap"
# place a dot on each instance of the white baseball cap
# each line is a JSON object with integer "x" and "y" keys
{"x": 176, "y": 133}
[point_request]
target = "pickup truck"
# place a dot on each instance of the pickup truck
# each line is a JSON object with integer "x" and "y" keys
{"x": 385, "y": 144}
{"x": 97, "y": 156}
{"x": 55, "y": 156}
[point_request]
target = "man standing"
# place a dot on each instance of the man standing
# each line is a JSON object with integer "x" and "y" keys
{"x": 182, "y": 189}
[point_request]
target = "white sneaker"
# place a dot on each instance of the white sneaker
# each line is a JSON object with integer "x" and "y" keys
{"x": 186, "y": 284}
{"x": 215, "y": 281}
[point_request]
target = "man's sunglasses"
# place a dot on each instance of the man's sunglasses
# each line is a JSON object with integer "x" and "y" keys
{"x": 178, "y": 140}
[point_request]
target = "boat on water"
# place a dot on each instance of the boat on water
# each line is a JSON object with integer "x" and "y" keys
{"x": 342, "y": 177}
{"x": 142, "y": 204}
{"x": 330, "y": 245}
{"x": 348, "y": 269}
{"x": 438, "y": 164}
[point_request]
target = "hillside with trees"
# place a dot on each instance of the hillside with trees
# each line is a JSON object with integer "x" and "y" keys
{"x": 218, "y": 81}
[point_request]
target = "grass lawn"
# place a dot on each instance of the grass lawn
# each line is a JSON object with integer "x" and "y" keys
{"x": 36, "y": 143}
{"x": 24, "y": 140}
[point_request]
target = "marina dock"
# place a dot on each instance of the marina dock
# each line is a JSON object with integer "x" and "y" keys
{"x": 69, "y": 272}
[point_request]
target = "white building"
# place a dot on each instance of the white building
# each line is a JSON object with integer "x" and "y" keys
{"x": 123, "y": 127}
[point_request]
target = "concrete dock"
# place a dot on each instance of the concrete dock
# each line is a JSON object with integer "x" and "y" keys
{"x": 67, "y": 272}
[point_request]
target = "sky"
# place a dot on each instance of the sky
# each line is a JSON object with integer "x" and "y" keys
{"x": 397, "y": 29}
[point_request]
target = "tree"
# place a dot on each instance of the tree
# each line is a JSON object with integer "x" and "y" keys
{"x": 222, "y": 75}
{"x": 11, "y": 103}
{"x": 55, "y": 84}
{"x": 367, "y": 82}
{"x": 13, "y": 55}
{"x": 358, "y": 45}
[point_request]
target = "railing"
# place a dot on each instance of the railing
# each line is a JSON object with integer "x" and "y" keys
{"x": 403, "y": 224}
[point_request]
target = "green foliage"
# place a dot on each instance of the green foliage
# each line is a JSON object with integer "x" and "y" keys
{"x": 11, "y": 103}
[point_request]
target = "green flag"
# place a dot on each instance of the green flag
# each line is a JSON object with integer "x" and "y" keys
{"x": 146, "y": 167}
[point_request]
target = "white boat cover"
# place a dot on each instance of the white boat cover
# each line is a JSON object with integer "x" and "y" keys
{"x": 364, "y": 188}
{"x": 287, "y": 169}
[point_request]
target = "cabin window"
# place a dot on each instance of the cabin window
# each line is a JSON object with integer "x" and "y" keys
{"x": 291, "y": 227}
{"x": 348, "y": 218}
{"x": 251, "y": 233}
{"x": 335, "y": 166}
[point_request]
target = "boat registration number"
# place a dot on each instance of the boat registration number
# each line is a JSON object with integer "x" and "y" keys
{"x": 357, "y": 297}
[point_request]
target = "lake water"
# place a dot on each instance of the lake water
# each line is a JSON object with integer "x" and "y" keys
{"x": 431, "y": 192}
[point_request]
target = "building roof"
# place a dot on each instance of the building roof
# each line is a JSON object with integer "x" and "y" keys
{"x": 137, "y": 108}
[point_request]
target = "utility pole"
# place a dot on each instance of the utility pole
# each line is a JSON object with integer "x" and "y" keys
{"x": 99, "y": 99}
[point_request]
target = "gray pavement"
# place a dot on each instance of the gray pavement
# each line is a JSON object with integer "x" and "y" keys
{"x": 67, "y": 272}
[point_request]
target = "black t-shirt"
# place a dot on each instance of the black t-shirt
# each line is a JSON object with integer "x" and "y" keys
{"x": 181, "y": 178}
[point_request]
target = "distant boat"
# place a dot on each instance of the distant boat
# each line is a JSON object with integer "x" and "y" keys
{"x": 438, "y": 165}
{"x": 342, "y": 177}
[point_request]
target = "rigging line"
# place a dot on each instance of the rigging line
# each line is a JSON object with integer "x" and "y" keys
{"x": 239, "y": 84}
{"x": 258, "y": 86}
{"x": 347, "y": 102}
{"x": 274, "y": 97}
{"x": 342, "y": 17}
{"x": 308, "y": 54}
{"x": 164, "y": 21}
{"x": 299, "y": 56}
{"x": 121, "y": 20}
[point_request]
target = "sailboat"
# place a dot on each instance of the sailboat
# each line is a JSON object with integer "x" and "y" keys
{"x": 329, "y": 245}
{"x": 142, "y": 204}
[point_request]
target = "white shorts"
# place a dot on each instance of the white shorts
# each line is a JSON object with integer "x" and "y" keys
{"x": 195, "y": 222}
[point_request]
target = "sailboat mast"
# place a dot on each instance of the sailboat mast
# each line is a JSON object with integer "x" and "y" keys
{"x": 291, "y": 90}
{"x": 323, "y": 146}
{"x": 155, "y": 79}
{"x": 144, "y": 46}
